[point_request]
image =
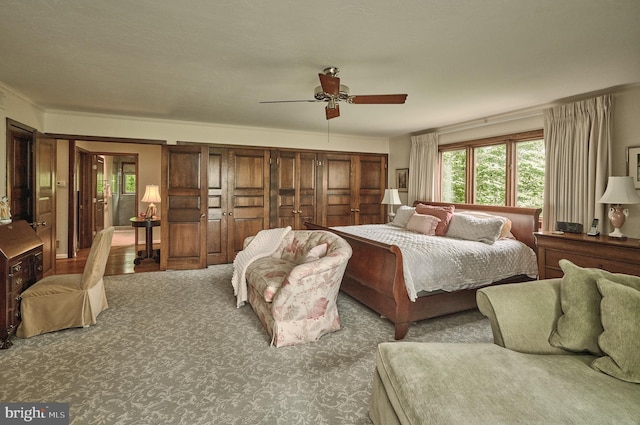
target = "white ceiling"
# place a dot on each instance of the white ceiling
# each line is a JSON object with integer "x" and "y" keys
{"x": 214, "y": 61}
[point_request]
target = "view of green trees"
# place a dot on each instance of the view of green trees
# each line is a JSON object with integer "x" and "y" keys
{"x": 490, "y": 174}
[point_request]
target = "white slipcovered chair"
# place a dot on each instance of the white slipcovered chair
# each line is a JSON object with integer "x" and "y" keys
{"x": 68, "y": 300}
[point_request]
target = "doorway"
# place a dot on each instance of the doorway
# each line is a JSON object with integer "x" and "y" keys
{"x": 111, "y": 195}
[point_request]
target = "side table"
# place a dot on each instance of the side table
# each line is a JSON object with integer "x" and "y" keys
{"x": 149, "y": 252}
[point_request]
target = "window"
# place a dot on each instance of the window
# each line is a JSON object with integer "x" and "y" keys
{"x": 129, "y": 178}
{"x": 505, "y": 170}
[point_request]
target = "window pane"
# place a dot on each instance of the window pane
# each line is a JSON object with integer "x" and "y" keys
{"x": 453, "y": 175}
{"x": 491, "y": 175}
{"x": 530, "y": 173}
{"x": 130, "y": 183}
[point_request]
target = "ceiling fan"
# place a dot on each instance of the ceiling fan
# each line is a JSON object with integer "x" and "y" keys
{"x": 331, "y": 91}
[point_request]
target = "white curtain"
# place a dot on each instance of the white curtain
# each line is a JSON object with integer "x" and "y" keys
{"x": 578, "y": 161}
{"x": 423, "y": 168}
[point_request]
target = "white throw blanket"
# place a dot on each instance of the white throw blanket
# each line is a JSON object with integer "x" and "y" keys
{"x": 264, "y": 244}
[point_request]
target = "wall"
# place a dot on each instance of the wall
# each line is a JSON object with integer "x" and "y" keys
{"x": 63, "y": 122}
{"x": 626, "y": 132}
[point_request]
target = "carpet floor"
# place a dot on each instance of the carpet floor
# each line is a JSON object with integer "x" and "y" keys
{"x": 173, "y": 349}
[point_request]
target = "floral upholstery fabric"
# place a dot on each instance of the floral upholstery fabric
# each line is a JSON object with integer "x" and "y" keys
{"x": 294, "y": 300}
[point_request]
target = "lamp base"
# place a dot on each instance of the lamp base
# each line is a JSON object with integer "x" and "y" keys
{"x": 617, "y": 234}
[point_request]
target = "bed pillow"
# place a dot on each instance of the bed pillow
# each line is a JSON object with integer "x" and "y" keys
{"x": 481, "y": 229}
{"x": 505, "y": 232}
{"x": 403, "y": 215}
{"x": 423, "y": 223}
{"x": 443, "y": 213}
{"x": 579, "y": 326}
{"x": 620, "y": 341}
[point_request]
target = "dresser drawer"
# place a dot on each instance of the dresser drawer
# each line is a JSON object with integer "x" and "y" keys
{"x": 553, "y": 257}
{"x": 616, "y": 256}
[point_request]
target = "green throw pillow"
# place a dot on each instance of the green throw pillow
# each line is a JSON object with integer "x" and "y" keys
{"x": 620, "y": 341}
{"x": 579, "y": 326}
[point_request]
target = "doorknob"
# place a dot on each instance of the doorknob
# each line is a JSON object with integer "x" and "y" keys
{"x": 38, "y": 223}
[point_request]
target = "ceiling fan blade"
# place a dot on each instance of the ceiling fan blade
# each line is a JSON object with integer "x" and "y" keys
{"x": 378, "y": 99}
{"x": 332, "y": 112}
{"x": 330, "y": 85}
{"x": 288, "y": 101}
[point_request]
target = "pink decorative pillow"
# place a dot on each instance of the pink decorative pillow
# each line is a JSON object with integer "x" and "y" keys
{"x": 316, "y": 253}
{"x": 423, "y": 223}
{"x": 443, "y": 213}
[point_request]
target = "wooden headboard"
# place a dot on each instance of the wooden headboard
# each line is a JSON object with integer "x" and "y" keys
{"x": 524, "y": 221}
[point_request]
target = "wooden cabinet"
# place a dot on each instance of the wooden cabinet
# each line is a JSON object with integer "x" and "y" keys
{"x": 614, "y": 255}
{"x": 21, "y": 265}
{"x": 352, "y": 187}
{"x": 215, "y": 196}
{"x": 293, "y": 188}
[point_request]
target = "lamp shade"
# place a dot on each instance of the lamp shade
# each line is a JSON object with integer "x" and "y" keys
{"x": 620, "y": 190}
{"x": 391, "y": 197}
{"x": 151, "y": 194}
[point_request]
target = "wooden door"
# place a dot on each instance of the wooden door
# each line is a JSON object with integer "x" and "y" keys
{"x": 337, "y": 208}
{"x": 217, "y": 206}
{"x": 20, "y": 179}
{"x": 184, "y": 207}
{"x": 248, "y": 192}
{"x": 370, "y": 172}
{"x": 97, "y": 192}
{"x": 84, "y": 200}
{"x": 294, "y": 188}
{"x": 45, "y": 200}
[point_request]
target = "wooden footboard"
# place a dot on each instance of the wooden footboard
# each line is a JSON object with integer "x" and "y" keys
{"x": 375, "y": 277}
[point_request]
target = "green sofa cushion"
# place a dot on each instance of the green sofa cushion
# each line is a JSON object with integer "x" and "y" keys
{"x": 620, "y": 311}
{"x": 439, "y": 383}
{"x": 579, "y": 326}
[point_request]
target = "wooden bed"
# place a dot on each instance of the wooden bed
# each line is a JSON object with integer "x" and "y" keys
{"x": 375, "y": 276}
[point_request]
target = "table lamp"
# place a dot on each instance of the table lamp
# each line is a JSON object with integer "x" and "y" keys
{"x": 619, "y": 191}
{"x": 151, "y": 194}
{"x": 391, "y": 198}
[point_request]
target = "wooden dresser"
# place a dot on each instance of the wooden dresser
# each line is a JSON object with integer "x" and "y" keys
{"x": 20, "y": 267}
{"x": 603, "y": 252}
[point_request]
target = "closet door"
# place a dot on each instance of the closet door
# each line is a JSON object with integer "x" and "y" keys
{"x": 184, "y": 207}
{"x": 338, "y": 208}
{"x": 352, "y": 188}
{"x": 293, "y": 181}
{"x": 217, "y": 207}
{"x": 248, "y": 196}
{"x": 370, "y": 182}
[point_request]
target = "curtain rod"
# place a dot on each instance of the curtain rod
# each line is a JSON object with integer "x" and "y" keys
{"x": 487, "y": 121}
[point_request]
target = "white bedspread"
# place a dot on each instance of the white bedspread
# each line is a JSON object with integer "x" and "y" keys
{"x": 433, "y": 263}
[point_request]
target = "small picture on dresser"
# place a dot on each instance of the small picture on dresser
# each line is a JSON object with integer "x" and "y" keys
{"x": 633, "y": 164}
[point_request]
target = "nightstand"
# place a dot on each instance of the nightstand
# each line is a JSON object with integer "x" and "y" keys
{"x": 602, "y": 252}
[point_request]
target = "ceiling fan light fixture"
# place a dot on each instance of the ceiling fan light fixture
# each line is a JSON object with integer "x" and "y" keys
{"x": 320, "y": 95}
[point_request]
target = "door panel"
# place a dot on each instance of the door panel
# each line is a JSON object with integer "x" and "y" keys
{"x": 184, "y": 207}
{"x": 248, "y": 190}
{"x": 371, "y": 181}
{"x": 337, "y": 174}
{"x": 217, "y": 207}
{"x": 45, "y": 197}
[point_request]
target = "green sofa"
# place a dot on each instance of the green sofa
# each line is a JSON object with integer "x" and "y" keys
{"x": 522, "y": 378}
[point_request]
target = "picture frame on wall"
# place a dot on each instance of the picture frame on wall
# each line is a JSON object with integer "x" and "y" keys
{"x": 402, "y": 179}
{"x": 633, "y": 164}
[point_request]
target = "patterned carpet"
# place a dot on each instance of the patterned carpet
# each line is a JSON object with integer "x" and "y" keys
{"x": 173, "y": 349}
